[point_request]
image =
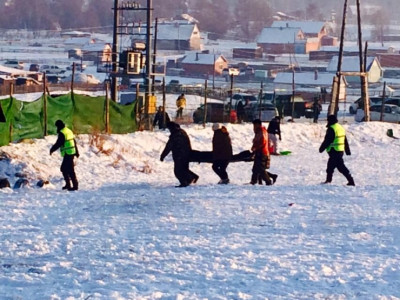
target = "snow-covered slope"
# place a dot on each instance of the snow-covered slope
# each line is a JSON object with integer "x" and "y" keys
{"x": 129, "y": 234}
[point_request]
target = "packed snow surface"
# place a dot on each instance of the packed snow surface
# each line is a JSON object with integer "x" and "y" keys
{"x": 128, "y": 233}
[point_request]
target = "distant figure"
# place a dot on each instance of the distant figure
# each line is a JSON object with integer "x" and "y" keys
{"x": 260, "y": 149}
{"x": 159, "y": 118}
{"x": 180, "y": 104}
{"x": 222, "y": 152}
{"x": 240, "y": 112}
{"x": 335, "y": 143}
{"x": 67, "y": 145}
{"x": 274, "y": 128}
{"x": 316, "y": 109}
{"x": 181, "y": 148}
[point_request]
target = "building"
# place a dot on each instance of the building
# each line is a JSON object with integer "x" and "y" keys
{"x": 97, "y": 52}
{"x": 249, "y": 52}
{"x": 179, "y": 36}
{"x": 352, "y": 64}
{"x": 310, "y": 29}
{"x": 204, "y": 64}
{"x": 277, "y": 40}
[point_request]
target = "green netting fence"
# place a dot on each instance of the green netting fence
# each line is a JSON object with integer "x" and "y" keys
{"x": 81, "y": 113}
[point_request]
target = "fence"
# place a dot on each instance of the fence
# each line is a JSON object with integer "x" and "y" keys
{"x": 81, "y": 113}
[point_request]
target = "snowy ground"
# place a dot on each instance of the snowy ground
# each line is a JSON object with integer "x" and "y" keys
{"x": 129, "y": 234}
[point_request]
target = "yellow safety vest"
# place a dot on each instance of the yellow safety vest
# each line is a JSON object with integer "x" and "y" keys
{"x": 340, "y": 135}
{"x": 69, "y": 144}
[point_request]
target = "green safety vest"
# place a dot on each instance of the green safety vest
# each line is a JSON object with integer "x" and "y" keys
{"x": 69, "y": 144}
{"x": 340, "y": 135}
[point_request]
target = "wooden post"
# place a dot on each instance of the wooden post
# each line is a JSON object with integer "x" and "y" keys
{"x": 12, "y": 119}
{"x": 230, "y": 100}
{"x": 335, "y": 96}
{"x": 163, "y": 103}
{"x": 205, "y": 105}
{"x": 383, "y": 101}
{"x": 72, "y": 78}
{"x": 293, "y": 92}
{"x": 44, "y": 105}
{"x": 260, "y": 102}
{"x": 107, "y": 112}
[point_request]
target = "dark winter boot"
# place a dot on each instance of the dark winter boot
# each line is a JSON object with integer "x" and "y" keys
{"x": 350, "y": 180}
{"x": 273, "y": 177}
{"x": 328, "y": 178}
{"x": 67, "y": 185}
{"x": 74, "y": 183}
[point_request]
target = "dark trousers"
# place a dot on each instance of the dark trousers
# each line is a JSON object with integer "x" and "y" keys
{"x": 219, "y": 166}
{"x": 68, "y": 171}
{"x": 179, "y": 112}
{"x": 336, "y": 161}
{"x": 182, "y": 172}
{"x": 261, "y": 163}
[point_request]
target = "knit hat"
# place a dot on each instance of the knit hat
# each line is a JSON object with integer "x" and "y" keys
{"x": 216, "y": 126}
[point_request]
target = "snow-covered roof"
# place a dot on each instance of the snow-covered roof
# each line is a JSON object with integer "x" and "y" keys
{"x": 349, "y": 63}
{"x": 278, "y": 35}
{"x": 307, "y": 27}
{"x": 305, "y": 78}
{"x": 202, "y": 58}
{"x": 95, "y": 47}
{"x": 176, "y": 31}
{"x": 14, "y": 72}
{"x": 78, "y": 41}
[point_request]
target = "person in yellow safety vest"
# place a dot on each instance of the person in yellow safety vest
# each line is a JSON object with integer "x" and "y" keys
{"x": 68, "y": 148}
{"x": 335, "y": 143}
{"x": 180, "y": 104}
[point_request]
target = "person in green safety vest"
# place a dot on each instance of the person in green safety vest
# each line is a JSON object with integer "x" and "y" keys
{"x": 336, "y": 144}
{"x": 68, "y": 148}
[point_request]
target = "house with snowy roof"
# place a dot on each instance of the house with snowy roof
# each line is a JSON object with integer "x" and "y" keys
{"x": 310, "y": 29}
{"x": 352, "y": 64}
{"x": 97, "y": 52}
{"x": 313, "y": 32}
{"x": 202, "y": 64}
{"x": 178, "y": 35}
{"x": 277, "y": 40}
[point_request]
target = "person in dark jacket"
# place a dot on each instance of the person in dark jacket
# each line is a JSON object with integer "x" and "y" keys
{"x": 181, "y": 148}
{"x": 335, "y": 143}
{"x": 68, "y": 148}
{"x": 159, "y": 118}
{"x": 222, "y": 152}
{"x": 240, "y": 112}
{"x": 274, "y": 129}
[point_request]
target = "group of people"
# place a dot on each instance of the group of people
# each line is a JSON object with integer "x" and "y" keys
{"x": 180, "y": 146}
{"x": 335, "y": 143}
{"x": 264, "y": 144}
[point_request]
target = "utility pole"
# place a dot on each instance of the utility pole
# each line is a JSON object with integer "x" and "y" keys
{"x": 148, "y": 75}
{"x": 335, "y": 97}
{"x": 114, "y": 83}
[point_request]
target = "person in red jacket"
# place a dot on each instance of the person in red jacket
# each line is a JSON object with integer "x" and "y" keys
{"x": 262, "y": 156}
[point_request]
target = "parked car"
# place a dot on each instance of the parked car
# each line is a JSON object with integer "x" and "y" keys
{"x": 34, "y": 68}
{"x": 395, "y": 101}
{"x": 391, "y": 113}
{"x": 52, "y": 69}
{"x": 78, "y": 67}
{"x": 216, "y": 112}
{"x": 244, "y": 97}
{"x": 53, "y": 78}
{"x": 268, "y": 112}
{"x": 14, "y": 64}
{"x": 358, "y": 104}
{"x": 285, "y": 103}
{"x": 173, "y": 86}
